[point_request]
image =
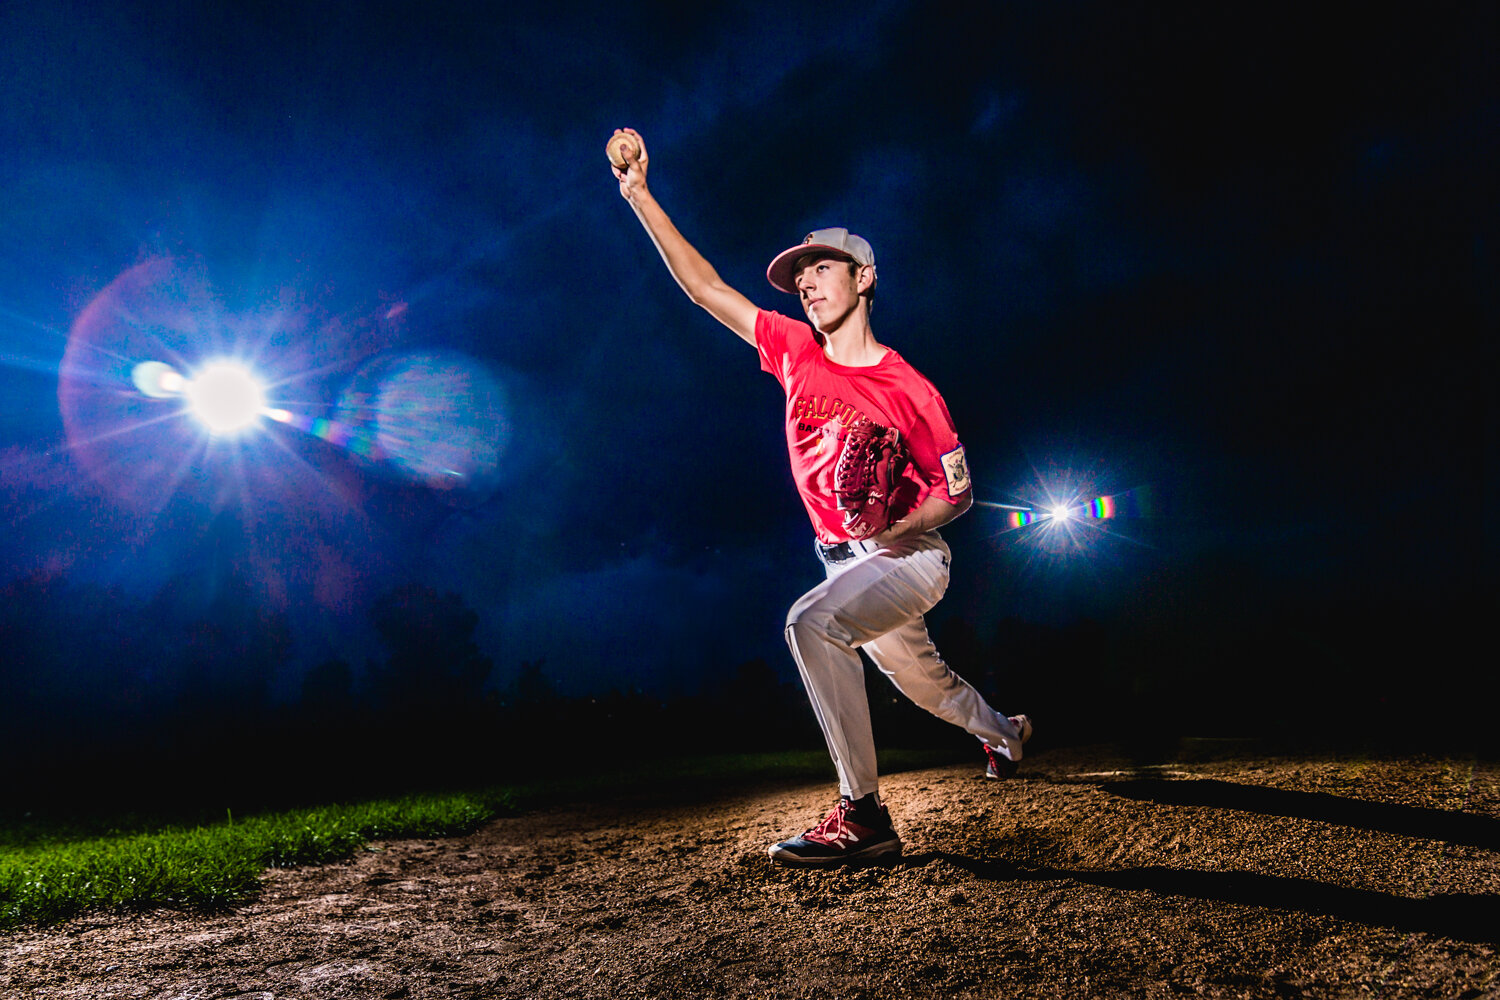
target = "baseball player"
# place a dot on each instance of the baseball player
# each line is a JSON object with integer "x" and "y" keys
{"x": 881, "y": 577}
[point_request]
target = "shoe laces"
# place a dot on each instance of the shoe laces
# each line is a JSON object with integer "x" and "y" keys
{"x": 834, "y": 826}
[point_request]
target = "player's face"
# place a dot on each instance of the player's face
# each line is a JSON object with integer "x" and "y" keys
{"x": 829, "y": 293}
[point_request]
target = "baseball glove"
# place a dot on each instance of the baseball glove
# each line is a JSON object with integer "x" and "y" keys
{"x": 868, "y": 470}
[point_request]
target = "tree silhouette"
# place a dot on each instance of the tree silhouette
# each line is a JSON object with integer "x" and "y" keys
{"x": 533, "y": 688}
{"x": 232, "y": 650}
{"x": 435, "y": 668}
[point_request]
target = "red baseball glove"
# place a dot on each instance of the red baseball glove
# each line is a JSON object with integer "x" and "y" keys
{"x": 868, "y": 470}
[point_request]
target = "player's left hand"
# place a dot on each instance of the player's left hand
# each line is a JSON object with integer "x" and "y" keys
{"x": 868, "y": 469}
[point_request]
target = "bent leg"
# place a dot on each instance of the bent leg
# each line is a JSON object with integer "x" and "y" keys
{"x": 908, "y": 657}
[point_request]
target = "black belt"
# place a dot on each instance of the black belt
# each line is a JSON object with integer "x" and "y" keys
{"x": 841, "y": 552}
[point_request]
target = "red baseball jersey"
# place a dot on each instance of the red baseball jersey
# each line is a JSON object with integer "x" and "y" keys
{"x": 824, "y": 399}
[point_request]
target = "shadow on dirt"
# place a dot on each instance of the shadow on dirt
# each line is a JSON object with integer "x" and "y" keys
{"x": 1462, "y": 917}
{"x": 1405, "y": 821}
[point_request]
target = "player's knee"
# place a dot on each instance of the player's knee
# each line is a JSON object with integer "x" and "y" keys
{"x": 797, "y": 627}
{"x": 807, "y": 621}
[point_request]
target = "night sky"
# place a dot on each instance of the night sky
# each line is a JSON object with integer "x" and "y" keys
{"x": 1233, "y": 265}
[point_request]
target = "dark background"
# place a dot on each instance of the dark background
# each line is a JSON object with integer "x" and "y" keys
{"x": 1235, "y": 267}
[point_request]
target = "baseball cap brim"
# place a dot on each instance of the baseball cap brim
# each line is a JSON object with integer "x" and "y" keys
{"x": 780, "y": 273}
{"x": 836, "y": 242}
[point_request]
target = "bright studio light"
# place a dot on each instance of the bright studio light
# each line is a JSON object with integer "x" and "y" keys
{"x": 1059, "y": 513}
{"x": 225, "y": 397}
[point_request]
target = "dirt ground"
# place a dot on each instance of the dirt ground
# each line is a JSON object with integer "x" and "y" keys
{"x": 1217, "y": 875}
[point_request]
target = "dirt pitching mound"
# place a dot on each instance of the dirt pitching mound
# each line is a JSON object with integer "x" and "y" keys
{"x": 1086, "y": 876}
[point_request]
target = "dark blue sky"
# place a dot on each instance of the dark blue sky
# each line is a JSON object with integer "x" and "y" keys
{"x": 1239, "y": 261}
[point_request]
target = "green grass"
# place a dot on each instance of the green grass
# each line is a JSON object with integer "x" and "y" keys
{"x": 53, "y": 869}
{"x": 50, "y": 878}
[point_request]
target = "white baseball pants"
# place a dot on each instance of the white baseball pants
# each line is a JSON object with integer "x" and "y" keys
{"x": 875, "y": 602}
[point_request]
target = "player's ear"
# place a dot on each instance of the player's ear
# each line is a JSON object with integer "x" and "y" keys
{"x": 865, "y": 280}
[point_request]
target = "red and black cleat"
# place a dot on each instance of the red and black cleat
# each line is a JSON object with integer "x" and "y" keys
{"x": 1001, "y": 766}
{"x": 839, "y": 839}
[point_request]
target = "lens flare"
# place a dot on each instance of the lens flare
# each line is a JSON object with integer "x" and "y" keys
{"x": 1062, "y": 520}
{"x": 161, "y": 382}
{"x": 157, "y": 379}
{"x": 119, "y": 385}
{"x": 225, "y": 397}
{"x": 437, "y": 418}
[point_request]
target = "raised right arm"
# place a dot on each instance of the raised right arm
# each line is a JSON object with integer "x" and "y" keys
{"x": 695, "y": 274}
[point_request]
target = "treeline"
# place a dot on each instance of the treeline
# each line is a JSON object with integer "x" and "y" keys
{"x": 105, "y": 695}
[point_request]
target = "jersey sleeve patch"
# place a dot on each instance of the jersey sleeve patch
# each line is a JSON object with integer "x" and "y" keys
{"x": 957, "y": 471}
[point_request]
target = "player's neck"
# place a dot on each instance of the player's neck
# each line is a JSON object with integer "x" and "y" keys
{"x": 852, "y": 343}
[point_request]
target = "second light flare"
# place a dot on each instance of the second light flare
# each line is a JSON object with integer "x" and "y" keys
{"x": 1099, "y": 508}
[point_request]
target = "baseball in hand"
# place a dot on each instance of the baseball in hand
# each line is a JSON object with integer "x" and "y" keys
{"x": 618, "y": 143}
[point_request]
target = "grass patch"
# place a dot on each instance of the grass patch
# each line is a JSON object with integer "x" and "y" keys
{"x": 47, "y": 878}
{"x": 54, "y": 869}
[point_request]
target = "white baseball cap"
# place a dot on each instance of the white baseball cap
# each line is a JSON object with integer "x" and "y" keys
{"x": 839, "y": 241}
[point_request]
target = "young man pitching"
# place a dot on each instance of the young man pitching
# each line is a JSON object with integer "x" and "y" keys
{"x": 882, "y": 574}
